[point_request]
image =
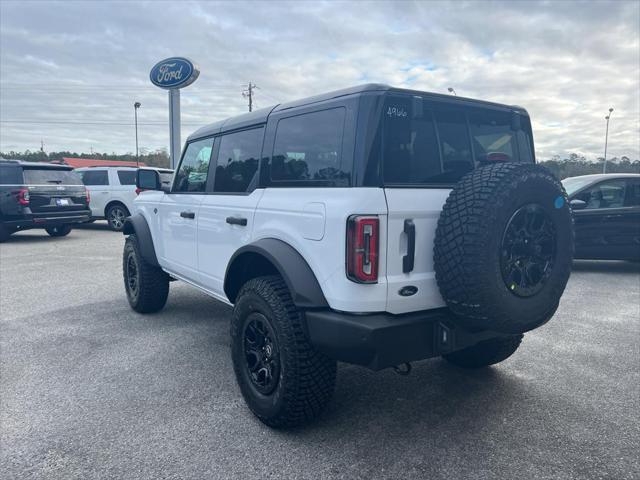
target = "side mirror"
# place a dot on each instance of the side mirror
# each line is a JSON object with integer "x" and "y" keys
{"x": 147, "y": 179}
{"x": 577, "y": 204}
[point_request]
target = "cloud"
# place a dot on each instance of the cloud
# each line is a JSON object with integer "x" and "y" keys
{"x": 85, "y": 63}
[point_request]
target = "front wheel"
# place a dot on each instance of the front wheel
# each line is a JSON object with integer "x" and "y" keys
{"x": 283, "y": 378}
{"x": 116, "y": 215}
{"x": 485, "y": 353}
{"x": 59, "y": 230}
{"x": 147, "y": 286}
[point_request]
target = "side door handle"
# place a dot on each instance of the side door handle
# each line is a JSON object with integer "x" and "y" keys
{"x": 409, "y": 258}
{"x": 188, "y": 215}
{"x": 237, "y": 221}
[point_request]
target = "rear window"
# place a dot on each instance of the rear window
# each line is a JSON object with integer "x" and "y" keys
{"x": 425, "y": 143}
{"x": 10, "y": 175}
{"x": 308, "y": 148}
{"x": 127, "y": 177}
{"x": 48, "y": 176}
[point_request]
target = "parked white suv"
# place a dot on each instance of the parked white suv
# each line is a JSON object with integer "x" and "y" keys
{"x": 113, "y": 190}
{"x": 373, "y": 225}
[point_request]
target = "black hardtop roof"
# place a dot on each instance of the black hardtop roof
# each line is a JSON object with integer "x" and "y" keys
{"x": 260, "y": 116}
{"x": 41, "y": 165}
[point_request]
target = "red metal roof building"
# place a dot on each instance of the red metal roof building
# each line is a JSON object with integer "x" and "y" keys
{"x": 91, "y": 162}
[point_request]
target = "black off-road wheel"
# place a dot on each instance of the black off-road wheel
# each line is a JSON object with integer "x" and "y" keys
{"x": 504, "y": 247}
{"x": 147, "y": 286}
{"x": 485, "y": 353}
{"x": 59, "y": 230}
{"x": 284, "y": 380}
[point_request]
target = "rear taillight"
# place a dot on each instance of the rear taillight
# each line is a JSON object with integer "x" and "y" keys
{"x": 23, "y": 196}
{"x": 88, "y": 196}
{"x": 362, "y": 248}
{"x": 139, "y": 190}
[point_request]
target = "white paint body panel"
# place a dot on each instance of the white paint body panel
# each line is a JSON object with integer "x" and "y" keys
{"x": 313, "y": 221}
{"x": 293, "y": 214}
{"x": 423, "y": 206}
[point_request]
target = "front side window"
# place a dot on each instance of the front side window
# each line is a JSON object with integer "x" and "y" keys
{"x": 609, "y": 194}
{"x": 633, "y": 193}
{"x": 308, "y": 148}
{"x": 127, "y": 177}
{"x": 192, "y": 174}
{"x": 95, "y": 177}
{"x": 237, "y": 163}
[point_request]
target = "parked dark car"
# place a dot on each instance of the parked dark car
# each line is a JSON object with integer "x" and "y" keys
{"x": 606, "y": 211}
{"x": 40, "y": 195}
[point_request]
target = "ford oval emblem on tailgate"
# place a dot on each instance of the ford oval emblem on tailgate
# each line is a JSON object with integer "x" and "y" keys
{"x": 408, "y": 291}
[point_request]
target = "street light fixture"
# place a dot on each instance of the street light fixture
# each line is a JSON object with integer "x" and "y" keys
{"x": 606, "y": 140}
{"x": 136, "y": 106}
{"x": 451, "y": 90}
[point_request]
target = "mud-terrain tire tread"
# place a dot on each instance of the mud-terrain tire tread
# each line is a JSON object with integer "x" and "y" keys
{"x": 483, "y": 354}
{"x": 153, "y": 282}
{"x": 464, "y": 227}
{"x": 307, "y": 377}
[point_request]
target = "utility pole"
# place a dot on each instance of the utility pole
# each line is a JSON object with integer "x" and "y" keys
{"x": 248, "y": 93}
{"x": 136, "y": 106}
{"x": 606, "y": 139}
{"x": 42, "y": 145}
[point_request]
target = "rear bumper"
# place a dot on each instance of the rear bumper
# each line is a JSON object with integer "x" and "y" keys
{"x": 35, "y": 220}
{"x": 384, "y": 340}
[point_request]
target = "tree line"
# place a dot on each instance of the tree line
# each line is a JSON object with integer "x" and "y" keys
{"x": 156, "y": 158}
{"x": 563, "y": 167}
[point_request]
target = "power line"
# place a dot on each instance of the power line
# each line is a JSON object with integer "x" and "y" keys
{"x": 49, "y": 122}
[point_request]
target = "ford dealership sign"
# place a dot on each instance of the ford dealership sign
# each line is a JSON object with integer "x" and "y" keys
{"x": 175, "y": 72}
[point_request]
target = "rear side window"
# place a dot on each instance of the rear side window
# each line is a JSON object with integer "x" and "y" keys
{"x": 607, "y": 194}
{"x": 633, "y": 193}
{"x": 194, "y": 168}
{"x": 95, "y": 177}
{"x": 10, "y": 175}
{"x": 237, "y": 163}
{"x": 127, "y": 177}
{"x": 308, "y": 148}
{"x": 51, "y": 176}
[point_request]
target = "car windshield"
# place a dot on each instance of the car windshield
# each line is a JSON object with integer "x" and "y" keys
{"x": 572, "y": 185}
{"x": 51, "y": 176}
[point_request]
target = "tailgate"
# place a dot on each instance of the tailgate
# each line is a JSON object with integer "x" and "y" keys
{"x": 54, "y": 190}
{"x": 412, "y": 212}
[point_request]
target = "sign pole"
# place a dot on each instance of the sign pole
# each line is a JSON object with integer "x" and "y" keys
{"x": 172, "y": 74}
{"x": 174, "y": 126}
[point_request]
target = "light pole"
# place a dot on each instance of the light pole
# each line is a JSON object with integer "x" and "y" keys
{"x": 606, "y": 140}
{"x": 451, "y": 90}
{"x": 136, "y": 106}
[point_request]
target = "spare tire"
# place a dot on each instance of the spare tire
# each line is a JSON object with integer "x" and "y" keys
{"x": 504, "y": 247}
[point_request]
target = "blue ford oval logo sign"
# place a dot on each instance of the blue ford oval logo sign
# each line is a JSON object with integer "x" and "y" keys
{"x": 175, "y": 72}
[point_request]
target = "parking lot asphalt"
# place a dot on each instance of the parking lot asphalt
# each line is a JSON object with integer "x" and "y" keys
{"x": 90, "y": 389}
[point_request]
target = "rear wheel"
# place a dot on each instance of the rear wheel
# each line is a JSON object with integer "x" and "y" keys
{"x": 59, "y": 230}
{"x": 485, "y": 353}
{"x": 116, "y": 214}
{"x": 283, "y": 378}
{"x": 5, "y": 233}
{"x": 147, "y": 286}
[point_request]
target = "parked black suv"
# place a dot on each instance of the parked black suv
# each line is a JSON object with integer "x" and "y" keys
{"x": 40, "y": 195}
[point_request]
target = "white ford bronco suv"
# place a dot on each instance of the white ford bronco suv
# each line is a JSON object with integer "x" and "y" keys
{"x": 372, "y": 225}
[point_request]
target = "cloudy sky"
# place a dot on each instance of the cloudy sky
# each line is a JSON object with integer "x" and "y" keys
{"x": 71, "y": 71}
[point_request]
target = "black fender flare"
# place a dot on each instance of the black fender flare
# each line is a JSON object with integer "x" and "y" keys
{"x": 292, "y": 267}
{"x": 137, "y": 224}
